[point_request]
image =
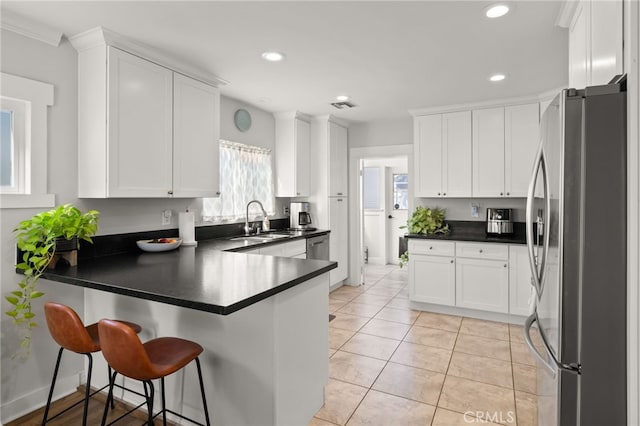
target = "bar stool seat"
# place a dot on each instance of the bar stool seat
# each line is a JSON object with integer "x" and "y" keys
{"x": 155, "y": 359}
{"x": 68, "y": 331}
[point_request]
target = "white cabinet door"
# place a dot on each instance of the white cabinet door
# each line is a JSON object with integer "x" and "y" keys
{"x": 522, "y": 124}
{"x": 339, "y": 241}
{"x": 488, "y": 152}
{"x": 292, "y": 156}
{"x": 432, "y": 279}
{"x": 606, "y": 41}
{"x": 428, "y": 155}
{"x": 520, "y": 288}
{"x": 140, "y": 127}
{"x": 338, "y": 157}
{"x": 196, "y": 115}
{"x": 456, "y": 154}
{"x": 579, "y": 47}
{"x": 302, "y": 139}
{"x": 482, "y": 284}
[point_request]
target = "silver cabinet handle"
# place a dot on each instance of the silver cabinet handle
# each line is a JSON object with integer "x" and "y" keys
{"x": 451, "y": 261}
{"x": 507, "y": 193}
{"x": 444, "y": 193}
{"x": 438, "y": 193}
{"x": 505, "y": 265}
{"x": 501, "y": 194}
{"x": 218, "y": 193}
{"x": 480, "y": 250}
{"x": 170, "y": 192}
{"x": 339, "y": 193}
{"x": 430, "y": 248}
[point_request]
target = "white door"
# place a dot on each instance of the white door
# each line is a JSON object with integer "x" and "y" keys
{"x": 488, "y": 152}
{"x": 432, "y": 279}
{"x": 140, "y": 127}
{"x": 456, "y": 154}
{"x": 428, "y": 156}
{"x": 396, "y": 210}
{"x": 482, "y": 284}
{"x": 196, "y": 152}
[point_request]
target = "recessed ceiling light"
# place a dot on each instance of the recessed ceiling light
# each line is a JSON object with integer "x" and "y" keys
{"x": 273, "y": 56}
{"x": 342, "y": 98}
{"x": 497, "y": 77}
{"x": 496, "y": 10}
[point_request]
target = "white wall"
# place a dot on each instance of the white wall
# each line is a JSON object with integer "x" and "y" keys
{"x": 381, "y": 133}
{"x": 25, "y": 383}
{"x": 460, "y": 208}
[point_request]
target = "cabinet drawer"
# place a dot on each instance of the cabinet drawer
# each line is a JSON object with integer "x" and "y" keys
{"x": 482, "y": 251}
{"x": 432, "y": 247}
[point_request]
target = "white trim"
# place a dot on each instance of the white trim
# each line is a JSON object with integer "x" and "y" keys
{"x": 632, "y": 68}
{"x": 29, "y": 28}
{"x": 40, "y": 96}
{"x": 467, "y": 312}
{"x": 520, "y": 100}
{"x": 36, "y": 399}
{"x": 100, "y": 36}
{"x": 565, "y": 16}
{"x": 27, "y": 201}
{"x": 355, "y": 155}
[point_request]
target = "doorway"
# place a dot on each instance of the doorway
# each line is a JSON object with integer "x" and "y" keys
{"x": 384, "y": 209}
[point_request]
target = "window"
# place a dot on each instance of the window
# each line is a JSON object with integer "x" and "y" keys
{"x": 12, "y": 149}
{"x": 401, "y": 191}
{"x": 23, "y": 142}
{"x": 371, "y": 188}
{"x": 245, "y": 175}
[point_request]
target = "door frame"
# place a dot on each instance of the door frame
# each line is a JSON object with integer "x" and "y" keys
{"x": 355, "y": 234}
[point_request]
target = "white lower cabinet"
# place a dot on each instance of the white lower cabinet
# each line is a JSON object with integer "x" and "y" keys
{"x": 489, "y": 277}
{"x": 482, "y": 284}
{"x": 432, "y": 279}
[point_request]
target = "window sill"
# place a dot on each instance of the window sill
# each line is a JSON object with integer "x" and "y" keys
{"x": 27, "y": 201}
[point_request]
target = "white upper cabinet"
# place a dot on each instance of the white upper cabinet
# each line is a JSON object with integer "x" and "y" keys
{"x": 292, "y": 155}
{"x": 144, "y": 131}
{"x": 504, "y": 146}
{"x": 196, "y": 146}
{"x": 140, "y": 128}
{"x": 595, "y": 43}
{"x": 442, "y": 153}
{"x": 521, "y": 140}
{"x": 488, "y": 152}
{"x": 338, "y": 157}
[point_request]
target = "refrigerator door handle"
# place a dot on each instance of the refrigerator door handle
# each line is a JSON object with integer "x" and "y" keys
{"x": 537, "y": 275}
{"x": 571, "y": 368}
{"x": 527, "y": 338}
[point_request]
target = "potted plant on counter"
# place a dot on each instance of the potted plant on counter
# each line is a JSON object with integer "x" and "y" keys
{"x": 424, "y": 221}
{"x": 41, "y": 241}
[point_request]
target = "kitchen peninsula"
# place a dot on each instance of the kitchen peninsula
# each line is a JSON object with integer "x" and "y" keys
{"x": 261, "y": 319}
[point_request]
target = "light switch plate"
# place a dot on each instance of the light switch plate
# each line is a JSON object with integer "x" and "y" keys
{"x": 475, "y": 210}
{"x": 166, "y": 217}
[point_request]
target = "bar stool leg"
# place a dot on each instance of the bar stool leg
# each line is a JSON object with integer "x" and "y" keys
{"x": 112, "y": 380}
{"x": 149, "y": 397}
{"x": 113, "y": 405}
{"x": 164, "y": 407}
{"x": 87, "y": 391}
{"x": 53, "y": 383}
{"x": 204, "y": 399}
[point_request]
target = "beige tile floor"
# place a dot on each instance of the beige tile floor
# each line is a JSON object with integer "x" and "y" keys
{"x": 390, "y": 365}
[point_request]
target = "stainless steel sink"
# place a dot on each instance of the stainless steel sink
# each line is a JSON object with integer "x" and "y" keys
{"x": 260, "y": 238}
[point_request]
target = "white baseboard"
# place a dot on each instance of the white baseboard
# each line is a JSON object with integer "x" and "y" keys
{"x": 466, "y": 312}
{"x": 376, "y": 261}
{"x": 38, "y": 398}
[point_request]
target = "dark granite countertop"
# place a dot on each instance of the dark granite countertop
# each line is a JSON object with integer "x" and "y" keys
{"x": 209, "y": 277}
{"x": 475, "y": 231}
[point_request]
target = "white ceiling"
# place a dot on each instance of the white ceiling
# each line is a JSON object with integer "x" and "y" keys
{"x": 389, "y": 56}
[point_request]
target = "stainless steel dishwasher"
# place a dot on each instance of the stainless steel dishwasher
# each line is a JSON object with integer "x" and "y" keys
{"x": 318, "y": 247}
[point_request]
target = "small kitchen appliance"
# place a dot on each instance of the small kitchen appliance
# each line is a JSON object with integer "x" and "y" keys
{"x": 300, "y": 218}
{"x": 499, "y": 221}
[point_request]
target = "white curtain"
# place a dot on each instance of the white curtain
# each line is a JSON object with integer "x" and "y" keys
{"x": 245, "y": 175}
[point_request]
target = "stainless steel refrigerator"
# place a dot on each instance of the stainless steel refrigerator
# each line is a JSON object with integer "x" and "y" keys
{"x": 577, "y": 241}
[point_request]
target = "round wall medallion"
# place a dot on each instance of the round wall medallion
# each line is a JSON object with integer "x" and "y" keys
{"x": 242, "y": 118}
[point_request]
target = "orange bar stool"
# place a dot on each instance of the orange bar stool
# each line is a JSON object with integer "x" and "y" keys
{"x": 155, "y": 359}
{"x": 67, "y": 329}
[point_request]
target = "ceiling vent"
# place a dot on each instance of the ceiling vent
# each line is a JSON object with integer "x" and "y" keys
{"x": 343, "y": 105}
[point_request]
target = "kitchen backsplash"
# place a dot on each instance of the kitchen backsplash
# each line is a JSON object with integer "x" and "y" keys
{"x": 461, "y": 208}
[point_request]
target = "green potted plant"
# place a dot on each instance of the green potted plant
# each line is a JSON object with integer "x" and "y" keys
{"x": 40, "y": 240}
{"x": 424, "y": 221}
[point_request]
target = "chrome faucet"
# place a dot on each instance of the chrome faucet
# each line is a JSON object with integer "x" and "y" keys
{"x": 265, "y": 219}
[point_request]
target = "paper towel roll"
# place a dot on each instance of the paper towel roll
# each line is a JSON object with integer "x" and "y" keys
{"x": 186, "y": 228}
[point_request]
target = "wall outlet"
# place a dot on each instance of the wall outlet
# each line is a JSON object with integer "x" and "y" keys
{"x": 166, "y": 217}
{"x": 475, "y": 210}
{"x": 286, "y": 210}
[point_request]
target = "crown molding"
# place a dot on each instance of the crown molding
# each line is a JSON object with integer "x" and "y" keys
{"x": 26, "y": 27}
{"x": 332, "y": 119}
{"x": 289, "y": 115}
{"x": 101, "y": 36}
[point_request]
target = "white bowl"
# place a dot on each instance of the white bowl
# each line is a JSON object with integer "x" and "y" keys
{"x": 148, "y": 245}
